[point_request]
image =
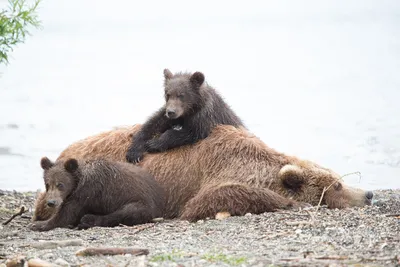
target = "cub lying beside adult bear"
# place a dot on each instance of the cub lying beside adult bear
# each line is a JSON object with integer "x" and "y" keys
{"x": 231, "y": 170}
{"x": 98, "y": 193}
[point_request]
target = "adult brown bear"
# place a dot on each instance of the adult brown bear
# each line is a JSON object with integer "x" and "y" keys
{"x": 231, "y": 170}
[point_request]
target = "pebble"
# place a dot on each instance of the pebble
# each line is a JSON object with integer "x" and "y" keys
{"x": 61, "y": 262}
{"x": 222, "y": 215}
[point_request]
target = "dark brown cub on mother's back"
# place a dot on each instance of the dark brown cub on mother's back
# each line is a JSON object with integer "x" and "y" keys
{"x": 192, "y": 110}
{"x": 99, "y": 193}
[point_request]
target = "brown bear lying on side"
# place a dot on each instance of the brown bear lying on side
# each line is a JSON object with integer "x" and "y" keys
{"x": 231, "y": 170}
{"x": 98, "y": 193}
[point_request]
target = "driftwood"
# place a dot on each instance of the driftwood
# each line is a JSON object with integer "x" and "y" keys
{"x": 22, "y": 211}
{"x": 111, "y": 251}
{"x": 55, "y": 244}
{"x": 40, "y": 263}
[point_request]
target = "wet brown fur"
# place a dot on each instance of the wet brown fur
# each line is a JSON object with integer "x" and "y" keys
{"x": 231, "y": 170}
{"x": 90, "y": 193}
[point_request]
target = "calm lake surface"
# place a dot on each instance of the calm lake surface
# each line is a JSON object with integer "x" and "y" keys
{"x": 316, "y": 79}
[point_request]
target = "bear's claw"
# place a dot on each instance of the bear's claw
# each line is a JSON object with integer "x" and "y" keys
{"x": 134, "y": 155}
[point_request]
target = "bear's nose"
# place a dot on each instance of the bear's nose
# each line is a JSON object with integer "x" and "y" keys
{"x": 170, "y": 113}
{"x": 369, "y": 195}
{"x": 51, "y": 203}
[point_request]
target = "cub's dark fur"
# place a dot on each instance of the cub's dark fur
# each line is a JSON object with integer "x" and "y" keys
{"x": 99, "y": 193}
{"x": 192, "y": 110}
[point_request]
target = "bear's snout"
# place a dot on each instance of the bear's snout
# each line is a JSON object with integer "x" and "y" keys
{"x": 369, "y": 195}
{"x": 171, "y": 114}
{"x": 51, "y": 203}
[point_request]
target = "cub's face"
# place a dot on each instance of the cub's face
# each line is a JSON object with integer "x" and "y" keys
{"x": 60, "y": 180}
{"x": 181, "y": 93}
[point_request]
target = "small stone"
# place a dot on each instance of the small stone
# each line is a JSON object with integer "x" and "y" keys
{"x": 61, "y": 262}
{"x": 298, "y": 231}
{"x": 248, "y": 214}
{"x": 40, "y": 263}
{"x": 158, "y": 219}
{"x": 222, "y": 215}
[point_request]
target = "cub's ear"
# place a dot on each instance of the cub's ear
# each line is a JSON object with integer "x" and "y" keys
{"x": 45, "y": 163}
{"x": 197, "y": 79}
{"x": 291, "y": 176}
{"x": 71, "y": 165}
{"x": 168, "y": 74}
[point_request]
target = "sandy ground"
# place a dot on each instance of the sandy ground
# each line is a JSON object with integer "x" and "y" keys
{"x": 368, "y": 236}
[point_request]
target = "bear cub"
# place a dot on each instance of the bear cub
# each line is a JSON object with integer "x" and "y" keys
{"x": 99, "y": 193}
{"x": 192, "y": 109}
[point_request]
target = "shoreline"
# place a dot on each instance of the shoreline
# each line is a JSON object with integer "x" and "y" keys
{"x": 367, "y": 236}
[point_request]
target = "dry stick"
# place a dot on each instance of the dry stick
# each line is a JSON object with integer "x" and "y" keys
{"x": 393, "y": 215}
{"x": 332, "y": 258}
{"x": 327, "y": 188}
{"x": 112, "y": 251}
{"x": 351, "y": 173}
{"x": 50, "y": 244}
{"x": 22, "y": 211}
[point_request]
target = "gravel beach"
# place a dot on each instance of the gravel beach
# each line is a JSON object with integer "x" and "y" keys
{"x": 368, "y": 236}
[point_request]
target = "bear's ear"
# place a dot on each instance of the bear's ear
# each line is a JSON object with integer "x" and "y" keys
{"x": 45, "y": 163}
{"x": 168, "y": 74}
{"x": 197, "y": 79}
{"x": 71, "y": 165}
{"x": 291, "y": 176}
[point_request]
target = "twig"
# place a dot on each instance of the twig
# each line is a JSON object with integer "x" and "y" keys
{"x": 112, "y": 251}
{"x": 57, "y": 243}
{"x": 138, "y": 229}
{"x": 22, "y": 211}
{"x": 332, "y": 258}
{"x": 351, "y": 173}
{"x": 296, "y": 223}
{"x": 322, "y": 195}
{"x": 393, "y": 215}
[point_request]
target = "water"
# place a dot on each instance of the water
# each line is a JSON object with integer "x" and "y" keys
{"x": 317, "y": 79}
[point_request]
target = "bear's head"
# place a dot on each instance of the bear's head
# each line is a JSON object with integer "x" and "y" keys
{"x": 306, "y": 182}
{"x": 60, "y": 179}
{"x": 182, "y": 93}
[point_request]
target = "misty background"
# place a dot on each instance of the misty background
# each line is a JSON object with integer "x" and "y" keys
{"x": 315, "y": 79}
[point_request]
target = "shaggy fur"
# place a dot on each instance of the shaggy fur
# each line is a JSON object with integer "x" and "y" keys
{"x": 231, "y": 170}
{"x": 97, "y": 193}
{"x": 192, "y": 110}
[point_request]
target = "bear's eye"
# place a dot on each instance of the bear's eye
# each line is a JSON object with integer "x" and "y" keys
{"x": 47, "y": 187}
{"x": 180, "y": 96}
{"x": 167, "y": 96}
{"x": 60, "y": 186}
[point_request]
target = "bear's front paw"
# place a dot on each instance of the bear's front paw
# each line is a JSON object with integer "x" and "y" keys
{"x": 153, "y": 146}
{"x": 88, "y": 221}
{"x": 134, "y": 155}
{"x": 39, "y": 226}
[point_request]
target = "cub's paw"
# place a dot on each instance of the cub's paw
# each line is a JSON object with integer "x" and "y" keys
{"x": 88, "y": 221}
{"x": 39, "y": 226}
{"x": 153, "y": 146}
{"x": 134, "y": 155}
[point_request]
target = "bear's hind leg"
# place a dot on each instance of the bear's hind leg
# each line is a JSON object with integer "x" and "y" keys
{"x": 130, "y": 214}
{"x": 235, "y": 198}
